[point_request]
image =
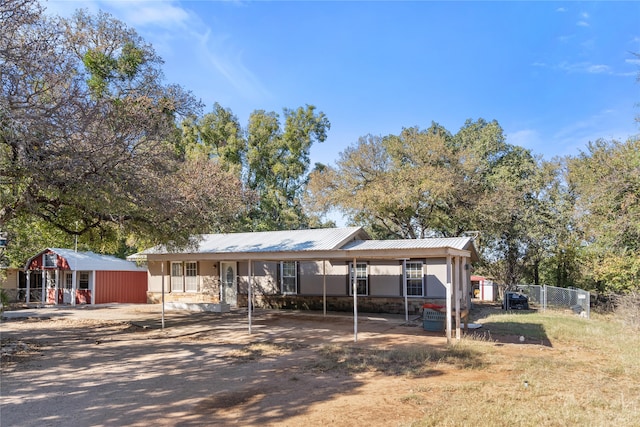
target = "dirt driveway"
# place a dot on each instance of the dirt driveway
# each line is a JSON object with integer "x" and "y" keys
{"x": 113, "y": 366}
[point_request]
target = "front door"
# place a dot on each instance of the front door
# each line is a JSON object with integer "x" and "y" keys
{"x": 228, "y": 283}
{"x": 66, "y": 290}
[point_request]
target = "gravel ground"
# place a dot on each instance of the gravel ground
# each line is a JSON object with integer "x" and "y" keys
{"x": 113, "y": 365}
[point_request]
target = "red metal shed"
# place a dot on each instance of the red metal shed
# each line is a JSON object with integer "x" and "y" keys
{"x": 70, "y": 277}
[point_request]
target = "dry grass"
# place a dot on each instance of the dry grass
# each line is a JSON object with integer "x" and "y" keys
{"x": 588, "y": 375}
{"x": 260, "y": 350}
{"x": 411, "y": 361}
{"x": 569, "y": 371}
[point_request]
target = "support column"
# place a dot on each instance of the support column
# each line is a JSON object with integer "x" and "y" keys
{"x": 162, "y": 283}
{"x": 56, "y": 285}
{"x": 458, "y": 297}
{"x": 355, "y": 301}
{"x": 456, "y": 294}
{"x": 249, "y": 296}
{"x": 448, "y": 318}
{"x": 464, "y": 276}
{"x": 28, "y": 296}
{"x": 93, "y": 287}
{"x": 404, "y": 291}
{"x": 44, "y": 286}
{"x": 324, "y": 288}
{"x": 74, "y": 287}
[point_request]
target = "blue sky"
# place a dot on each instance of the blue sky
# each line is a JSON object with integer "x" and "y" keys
{"x": 555, "y": 75}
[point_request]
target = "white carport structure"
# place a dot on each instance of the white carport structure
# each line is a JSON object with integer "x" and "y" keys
{"x": 349, "y": 244}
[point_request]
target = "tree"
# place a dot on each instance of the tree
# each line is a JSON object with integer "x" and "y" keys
{"x": 424, "y": 183}
{"x": 270, "y": 158}
{"x": 398, "y": 186}
{"x": 606, "y": 182}
{"x": 88, "y": 134}
{"x": 513, "y": 225}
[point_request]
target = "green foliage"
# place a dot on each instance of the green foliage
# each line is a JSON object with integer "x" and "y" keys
{"x": 271, "y": 159}
{"x": 424, "y": 183}
{"x": 4, "y": 298}
{"x": 100, "y": 67}
{"x": 130, "y": 60}
{"x": 90, "y": 146}
{"x": 606, "y": 182}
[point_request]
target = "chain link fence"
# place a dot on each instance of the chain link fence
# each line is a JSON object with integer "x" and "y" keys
{"x": 577, "y": 300}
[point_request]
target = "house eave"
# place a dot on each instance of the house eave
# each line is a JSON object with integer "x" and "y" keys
{"x": 314, "y": 255}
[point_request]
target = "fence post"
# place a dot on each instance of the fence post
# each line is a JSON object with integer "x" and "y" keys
{"x": 544, "y": 298}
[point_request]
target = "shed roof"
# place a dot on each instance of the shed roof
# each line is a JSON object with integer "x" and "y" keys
{"x": 90, "y": 261}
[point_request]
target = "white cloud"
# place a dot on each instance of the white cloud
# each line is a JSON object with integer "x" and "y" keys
{"x": 583, "y": 20}
{"x": 178, "y": 33}
{"x": 633, "y": 61}
{"x": 565, "y": 39}
{"x": 584, "y": 67}
{"x": 598, "y": 69}
{"x": 143, "y": 13}
{"x": 606, "y": 124}
{"x": 561, "y": 9}
{"x": 230, "y": 64}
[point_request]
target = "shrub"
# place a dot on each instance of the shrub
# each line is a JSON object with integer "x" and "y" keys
{"x": 628, "y": 309}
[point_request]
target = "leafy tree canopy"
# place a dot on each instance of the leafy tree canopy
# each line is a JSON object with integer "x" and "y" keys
{"x": 88, "y": 136}
{"x": 606, "y": 182}
{"x": 270, "y": 157}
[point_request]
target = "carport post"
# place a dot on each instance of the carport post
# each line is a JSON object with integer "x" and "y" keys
{"x": 162, "y": 274}
{"x": 456, "y": 294}
{"x": 324, "y": 288}
{"x": 404, "y": 290}
{"x": 249, "y": 295}
{"x": 448, "y": 319}
{"x": 355, "y": 301}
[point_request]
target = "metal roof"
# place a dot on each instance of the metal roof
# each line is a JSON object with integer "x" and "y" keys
{"x": 319, "y": 239}
{"x": 90, "y": 261}
{"x": 432, "y": 243}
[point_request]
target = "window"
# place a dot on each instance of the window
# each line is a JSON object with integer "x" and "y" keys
{"x": 50, "y": 260}
{"x": 68, "y": 281}
{"x": 84, "y": 280}
{"x": 176, "y": 276}
{"x": 184, "y": 276}
{"x": 361, "y": 278}
{"x": 191, "y": 277}
{"x": 415, "y": 281}
{"x": 289, "y": 277}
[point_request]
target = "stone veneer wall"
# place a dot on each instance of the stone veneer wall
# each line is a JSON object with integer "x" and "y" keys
{"x": 209, "y": 293}
{"x": 392, "y": 305}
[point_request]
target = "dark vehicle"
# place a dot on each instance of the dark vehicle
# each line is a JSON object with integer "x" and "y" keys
{"x": 515, "y": 301}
